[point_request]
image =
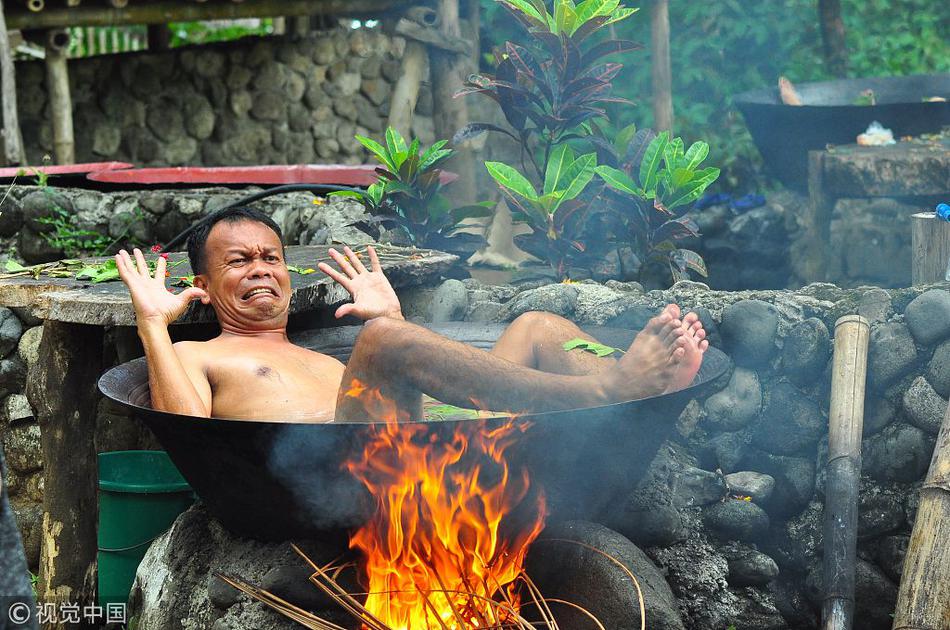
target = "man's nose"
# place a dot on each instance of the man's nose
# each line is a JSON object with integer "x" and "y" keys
{"x": 259, "y": 269}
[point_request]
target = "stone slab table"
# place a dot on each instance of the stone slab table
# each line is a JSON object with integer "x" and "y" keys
{"x": 62, "y": 388}
{"x": 905, "y": 169}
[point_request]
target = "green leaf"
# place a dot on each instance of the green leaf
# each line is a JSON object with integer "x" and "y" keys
{"x": 624, "y": 136}
{"x": 694, "y": 261}
{"x": 511, "y": 179}
{"x": 375, "y": 192}
{"x": 618, "y": 180}
{"x": 13, "y": 266}
{"x": 694, "y": 189}
{"x": 397, "y": 147}
{"x": 620, "y": 14}
{"x": 559, "y": 161}
{"x": 526, "y": 8}
{"x": 443, "y": 412}
{"x": 696, "y": 154}
{"x": 680, "y": 177}
{"x": 376, "y": 149}
{"x": 590, "y": 346}
{"x": 651, "y": 161}
{"x": 592, "y": 8}
{"x": 579, "y": 175}
{"x": 431, "y": 159}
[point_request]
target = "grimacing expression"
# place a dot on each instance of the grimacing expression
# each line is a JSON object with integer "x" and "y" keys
{"x": 245, "y": 274}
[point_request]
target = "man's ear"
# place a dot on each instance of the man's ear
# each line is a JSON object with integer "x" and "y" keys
{"x": 202, "y": 283}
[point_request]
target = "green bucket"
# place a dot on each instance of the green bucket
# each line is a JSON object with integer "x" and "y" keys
{"x": 141, "y": 493}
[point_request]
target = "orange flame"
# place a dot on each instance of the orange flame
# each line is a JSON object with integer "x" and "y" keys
{"x": 452, "y": 525}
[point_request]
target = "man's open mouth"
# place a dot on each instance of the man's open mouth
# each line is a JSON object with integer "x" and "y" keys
{"x": 259, "y": 291}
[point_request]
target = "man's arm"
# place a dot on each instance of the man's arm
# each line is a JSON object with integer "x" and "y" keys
{"x": 176, "y": 386}
{"x": 373, "y": 296}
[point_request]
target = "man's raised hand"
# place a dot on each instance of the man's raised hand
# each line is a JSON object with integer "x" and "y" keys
{"x": 372, "y": 294}
{"x": 152, "y": 301}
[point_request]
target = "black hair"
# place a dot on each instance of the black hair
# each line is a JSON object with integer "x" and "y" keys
{"x": 199, "y": 235}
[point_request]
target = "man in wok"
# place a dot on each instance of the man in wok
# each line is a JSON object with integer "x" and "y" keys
{"x": 252, "y": 371}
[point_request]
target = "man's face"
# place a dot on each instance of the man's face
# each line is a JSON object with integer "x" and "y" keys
{"x": 246, "y": 276}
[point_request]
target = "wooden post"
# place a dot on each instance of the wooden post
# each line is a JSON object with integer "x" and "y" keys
{"x": 12, "y": 142}
{"x": 406, "y": 90}
{"x": 846, "y": 422}
{"x": 923, "y": 600}
{"x": 449, "y": 114}
{"x": 62, "y": 390}
{"x": 661, "y": 66}
{"x": 930, "y": 239}
{"x": 833, "y": 37}
{"x": 61, "y": 104}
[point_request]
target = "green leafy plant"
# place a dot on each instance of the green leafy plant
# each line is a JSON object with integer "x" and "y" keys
{"x": 69, "y": 237}
{"x": 555, "y": 92}
{"x": 408, "y": 196}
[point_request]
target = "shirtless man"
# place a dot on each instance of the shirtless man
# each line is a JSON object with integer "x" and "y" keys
{"x": 252, "y": 371}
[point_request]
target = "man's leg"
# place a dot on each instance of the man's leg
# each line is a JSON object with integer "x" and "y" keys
{"x": 394, "y": 361}
{"x": 535, "y": 339}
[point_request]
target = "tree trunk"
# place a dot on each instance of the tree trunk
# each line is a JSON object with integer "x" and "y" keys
{"x": 406, "y": 90}
{"x": 833, "y": 37}
{"x": 62, "y": 390}
{"x": 61, "y": 104}
{"x": 923, "y": 601}
{"x": 12, "y": 142}
{"x": 845, "y": 424}
{"x": 930, "y": 238}
{"x": 661, "y": 66}
{"x": 449, "y": 114}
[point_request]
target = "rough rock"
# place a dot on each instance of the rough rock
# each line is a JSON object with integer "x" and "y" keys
{"x": 15, "y": 408}
{"x": 748, "y": 330}
{"x": 875, "y": 306}
{"x": 11, "y": 216}
{"x": 898, "y": 453}
{"x": 790, "y": 421}
{"x": 875, "y": 595}
{"x": 21, "y": 444}
{"x": 878, "y": 413}
{"x": 734, "y": 519}
{"x": 880, "y": 509}
{"x": 732, "y": 408}
{"x": 12, "y": 376}
{"x": 560, "y": 299}
{"x": 29, "y": 520}
{"x": 590, "y": 580}
{"x": 747, "y": 483}
{"x": 10, "y": 331}
{"x": 728, "y": 449}
{"x": 928, "y": 316}
{"x": 806, "y": 351}
{"x": 748, "y": 566}
{"x": 891, "y": 551}
{"x": 891, "y": 354}
{"x": 924, "y": 407}
{"x": 449, "y": 303}
{"x": 798, "y": 541}
{"x": 938, "y": 370}
{"x": 794, "y": 480}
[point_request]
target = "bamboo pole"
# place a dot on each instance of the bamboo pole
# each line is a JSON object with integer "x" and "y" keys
{"x": 846, "y": 422}
{"x": 164, "y": 11}
{"x": 923, "y": 601}
{"x": 12, "y": 142}
{"x": 930, "y": 244}
{"x": 661, "y": 66}
{"x": 61, "y": 106}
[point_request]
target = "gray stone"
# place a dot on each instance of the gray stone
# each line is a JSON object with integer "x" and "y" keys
{"x": 735, "y": 406}
{"x": 923, "y": 406}
{"x": 292, "y": 584}
{"x": 295, "y": 86}
{"x": 792, "y": 603}
{"x": 880, "y": 510}
{"x": 345, "y": 107}
{"x": 343, "y": 84}
{"x": 899, "y": 453}
{"x": 26, "y": 316}
{"x": 29, "y": 519}
{"x": 484, "y": 311}
{"x": 324, "y": 52}
{"x": 560, "y": 299}
{"x": 12, "y": 376}
{"x": 34, "y": 248}
{"x": 10, "y": 331}
{"x": 344, "y": 135}
{"x": 878, "y": 413}
{"x": 390, "y": 70}
{"x": 938, "y": 370}
{"x": 912, "y": 503}
{"x": 269, "y": 105}
{"x": 729, "y": 448}
{"x": 170, "y": 225}
{"x": 376, "y": 90}
{"x": 875, "y": 306}
{"x": 15, "y": 409}
{"x": 126, "y": 224}
{"x": 11, "y": 216}
{"x": 748, "y": 567}
{"x": 271, "y": 78}
{"x": 22, "y": 447}
{"x": 634, "y": 317}
{"x": 798, "y": 541}
{"x": 891, "y": 551}
{"x": 928, "y": 316}
{"x": 790, "y": 421}
{"x": 890, "y": 355}
{"x": 648, "y": 523}
{"x": 449, "y": 303}
{"x": 588, "y": 579}
{"x": 806, "y": 351}
{"x": 748, "y": 330}
{"x": 221, "y": 594}
{"x": 735, "y": 519}
{"x": 238, "y": 77}
{"x": 748, "y": 483}
{"x": 106, "y": 138}
{"x": 241, "y": 102}
{"x": 180, "y": 152}
{"x": 327, "y": 148}
{"x": 41, "y": 204}
{"x": 315, "y": 97}
{"x": 794, "y": 480}
{"x": 199, "y": 117}
{"x": 166, "y": 120}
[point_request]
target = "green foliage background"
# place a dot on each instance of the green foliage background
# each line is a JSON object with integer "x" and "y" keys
{"x": 725, "y": 47}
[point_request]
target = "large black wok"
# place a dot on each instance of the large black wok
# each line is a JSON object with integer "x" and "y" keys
{"x": 784, "y": 134}
{"x": 278, "y": 480}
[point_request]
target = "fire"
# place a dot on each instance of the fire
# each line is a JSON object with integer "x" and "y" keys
{"x": 452, "y": 525}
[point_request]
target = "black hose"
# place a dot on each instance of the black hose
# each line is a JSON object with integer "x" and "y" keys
{"x": 277, "y": 190}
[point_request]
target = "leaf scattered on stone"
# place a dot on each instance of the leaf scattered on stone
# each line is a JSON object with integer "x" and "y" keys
{"x": 590, "y": 346}
{"x": 443, "y": 412}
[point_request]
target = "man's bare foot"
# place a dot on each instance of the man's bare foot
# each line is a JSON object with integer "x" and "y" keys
{"x": 689, "y": 356}
{"x": 788, "y": 93}
{"x": 648, "y": 367}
